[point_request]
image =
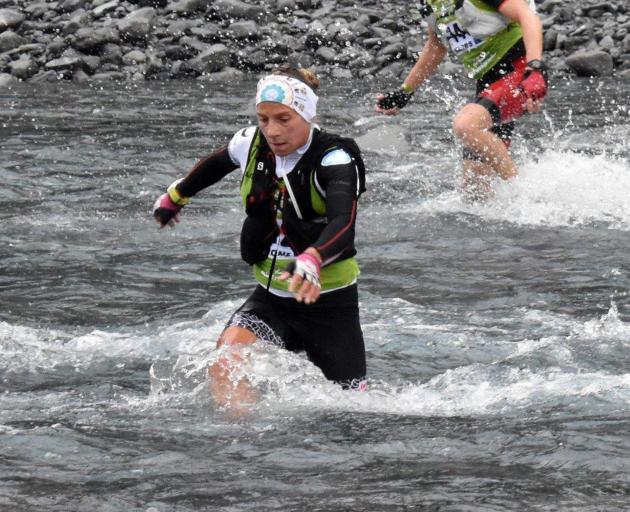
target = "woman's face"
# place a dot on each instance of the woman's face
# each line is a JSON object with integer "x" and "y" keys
{"x": 284, "y": 129}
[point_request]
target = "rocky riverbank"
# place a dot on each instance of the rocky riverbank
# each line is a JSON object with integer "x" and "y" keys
{"x": 223, "y": 39}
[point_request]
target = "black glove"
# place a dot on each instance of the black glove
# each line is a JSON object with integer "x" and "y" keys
{"x": 394, "y": 99}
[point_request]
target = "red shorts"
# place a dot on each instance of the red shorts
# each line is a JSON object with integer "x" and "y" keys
{"x": 504, "y": 98}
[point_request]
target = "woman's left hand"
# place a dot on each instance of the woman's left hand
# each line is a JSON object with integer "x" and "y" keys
{"x": 304, "y": 274}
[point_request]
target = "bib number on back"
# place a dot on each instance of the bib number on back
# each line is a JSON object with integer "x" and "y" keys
{"x": 458, "y": 39}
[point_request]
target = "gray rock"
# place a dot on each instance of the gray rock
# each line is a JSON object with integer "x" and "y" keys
{"x": 72, "y": 5}
{"x": 31, "y": 49}
{"x": 134, "y": 57}
{"x": 10, "y": 40}
{"x": 63, "y": 63}
{"x": 341, "y": 73}
{"x": 238, "y": 9}
{"x": 178, "y": 52}
{"x": 395, "y": 69}
{"x": 388, "y": 138}
{"x": 105, "y": 8}
{"x": 111, "y": 54}
{"x": 382, "y": 33}
{"x": 590, "y": 63}
{"x": 215, "y": 58}
{"x": 187, "y": 6}
{"x": 153, "y": 65}
{"x": 326, "y": 54}
{"x": 137, "y": 24}
{"x": 45, "y": 76}
{"x": 607, "y": 43}
{"x": 226, "y": 75}
{"x": 250, "y": 58}
{"x": 6, "y": 80}
{"x": 10, "y": 18}
{"x": 244, "y": 30}
{"x": 80, "y": 76}
{"x": 36, "y": 10}
{"x": 195, "y": 44}
{"x": 23, "y": 68}
{"x": 395, "y": 50}
{"x": 549, "y": 39}
{"x": 110, "y": 76}
{"x": 91, "y": 63}
{"x": 360, "y": 28}
{"x": 89, "y": 40}
{"x": 286, "y": 6}
{"x": 357, "y": 57}
{"x": 78, "y": 20}
{"x": 210, "y": 32}
{"x": 300, "y": 60}
{"x": 179, "y": 28}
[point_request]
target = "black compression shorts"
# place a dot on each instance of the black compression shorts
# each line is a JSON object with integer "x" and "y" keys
{"x": 328, "y": 331}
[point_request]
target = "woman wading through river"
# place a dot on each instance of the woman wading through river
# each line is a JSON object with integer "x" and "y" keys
{"x": 500, "y": 44}
{"x": 300, "y": 187}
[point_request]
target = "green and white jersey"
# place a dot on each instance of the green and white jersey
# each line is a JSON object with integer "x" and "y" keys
{"x": 243, "y": 150}
{"x": 474, "y": 30}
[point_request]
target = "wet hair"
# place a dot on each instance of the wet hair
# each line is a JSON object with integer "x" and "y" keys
{"x": 304, "y": 75}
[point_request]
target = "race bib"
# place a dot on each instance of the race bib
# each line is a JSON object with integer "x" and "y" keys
{"x": 458, "y": 39}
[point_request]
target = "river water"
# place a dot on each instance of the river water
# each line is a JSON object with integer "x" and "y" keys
{"x": 498, "y": 333}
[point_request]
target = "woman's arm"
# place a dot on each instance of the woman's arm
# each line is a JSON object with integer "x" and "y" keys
{"x": 340, "y": 183}
{"x": 429, "y": 59}
{"x": 432, "y": 54}
{"x": 206, "y": 172}
{"x": 520, "y": 12}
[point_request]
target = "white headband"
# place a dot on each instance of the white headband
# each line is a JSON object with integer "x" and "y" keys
{"x": 290, "y": 92}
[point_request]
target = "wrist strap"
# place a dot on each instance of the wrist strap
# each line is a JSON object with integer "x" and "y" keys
{"x": 407, "y": 88}
{"x": 311, "y": 258}
{"x": 175, "y": 196}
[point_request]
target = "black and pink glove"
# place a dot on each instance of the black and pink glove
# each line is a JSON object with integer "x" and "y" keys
{"x": 307, "y": 266}
{"x": 166, "y": 208}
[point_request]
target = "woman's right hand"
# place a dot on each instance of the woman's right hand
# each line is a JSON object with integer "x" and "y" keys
{"x": 166, "y": 208}
{"x": 391, "y": 102}
{"x": 165, "y": 211}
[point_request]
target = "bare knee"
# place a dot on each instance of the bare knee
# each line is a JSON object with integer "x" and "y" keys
{"x": 461, "y": 128}
{"x": 236, "y": 335}
{"x": 470, "y": 122}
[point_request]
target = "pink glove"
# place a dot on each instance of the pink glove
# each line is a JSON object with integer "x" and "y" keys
{"x": 166, "y": 211}
{"x": 307, "y": 266}
{"x": 166, "y": 208}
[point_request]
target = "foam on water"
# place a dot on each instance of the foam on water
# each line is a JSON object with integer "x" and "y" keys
{"x": 573, "y": 369}
{"x": 546, "y": 374}
{"x": 561, "y": 188}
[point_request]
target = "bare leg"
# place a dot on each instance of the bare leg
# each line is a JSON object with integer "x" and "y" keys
{"x": 472, "y": 126}
{"x": 476, "y": 180}
{"x": 224, "y": 389}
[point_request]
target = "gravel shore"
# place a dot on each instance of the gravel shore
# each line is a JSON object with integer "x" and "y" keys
{"x": 222, "y": 40}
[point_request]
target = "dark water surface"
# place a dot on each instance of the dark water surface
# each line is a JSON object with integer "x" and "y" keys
{"x": 498, "y": 334}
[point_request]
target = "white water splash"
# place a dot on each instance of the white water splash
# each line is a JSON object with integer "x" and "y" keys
{"x": 562, "y": 188}
{"x": 561, "y": 371}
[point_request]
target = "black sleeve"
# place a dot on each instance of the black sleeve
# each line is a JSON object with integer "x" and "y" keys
{"x": 340, "y": 184}
{"x": 495, "y": 4}
{"x": 206, "y": 172}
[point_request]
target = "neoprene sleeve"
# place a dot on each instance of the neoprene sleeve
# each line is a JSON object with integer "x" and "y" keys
{"x": 206, "y": 172}
{"x": 493, "y": 3}
{"x": 340, "y": 184}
